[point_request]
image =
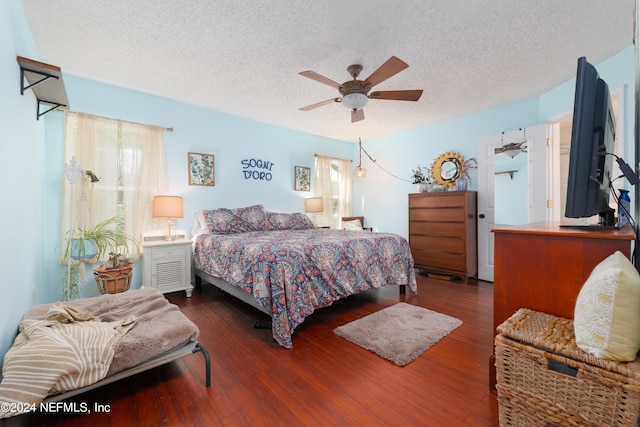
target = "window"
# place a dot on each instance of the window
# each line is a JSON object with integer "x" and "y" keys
{"x": 333, "y": 182}
{"x": 129, "y": 161}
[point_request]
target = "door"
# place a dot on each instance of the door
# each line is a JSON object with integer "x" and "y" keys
{"x": 486, "y": 161}
{"x": 531, "y": 196}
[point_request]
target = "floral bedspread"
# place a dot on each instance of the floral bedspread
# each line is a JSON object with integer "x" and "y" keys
{"x": 293, "y": 272}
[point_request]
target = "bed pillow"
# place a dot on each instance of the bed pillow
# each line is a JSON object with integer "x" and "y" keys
{"x": 607, "y": 312}
{"x": 287, "y": 221}
{"x": 240, "y": 220}
{"x": 354, "y": 224}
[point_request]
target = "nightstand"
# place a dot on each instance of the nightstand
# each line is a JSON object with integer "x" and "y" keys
{"x": 167, "y": 263}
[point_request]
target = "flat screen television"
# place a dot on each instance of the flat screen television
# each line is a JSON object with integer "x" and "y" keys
{"x": 592, "y": 140}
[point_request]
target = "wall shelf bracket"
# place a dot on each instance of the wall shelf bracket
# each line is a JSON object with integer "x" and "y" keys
{"x": 46, "y": 83}
{"x": 507, "y": 172}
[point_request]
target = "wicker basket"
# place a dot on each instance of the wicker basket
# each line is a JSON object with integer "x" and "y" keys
{"x": 113, "y": 281}
{"x": 544, "y": 379}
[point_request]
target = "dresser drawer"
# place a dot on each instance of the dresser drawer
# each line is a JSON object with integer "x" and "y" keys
{"x": 437, "y": 200}
{"x": 438, "y": 244}
{"x": 169, "y": 252}
{"x": 449, "y": 214}
{"x": 426, "y": 228}
{"x": 439, "y": 261}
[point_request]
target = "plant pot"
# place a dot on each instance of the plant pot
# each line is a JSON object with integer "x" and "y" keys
{"x": 82, "y": 250}
{"x": 423, "y": 188}
{"x": 113, "y": 280}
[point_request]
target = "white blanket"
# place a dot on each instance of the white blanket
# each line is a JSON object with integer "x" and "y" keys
{"x": 67, "y": 350}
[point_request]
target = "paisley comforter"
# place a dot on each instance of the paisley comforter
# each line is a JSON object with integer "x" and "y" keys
{"x": 293, "y": 272}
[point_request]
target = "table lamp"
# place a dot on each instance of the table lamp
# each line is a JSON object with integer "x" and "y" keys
{"x": 169, "y": 208}
{"x": 313, "y": 205}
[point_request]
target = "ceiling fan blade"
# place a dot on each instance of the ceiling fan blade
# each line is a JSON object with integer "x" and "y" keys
{"x": 319, "y": 104}
{"x": 317, "y": 77}
{"x": 389, "y": 69}
{"x": 397, "y": 95}
{"x": 357, "y": 115}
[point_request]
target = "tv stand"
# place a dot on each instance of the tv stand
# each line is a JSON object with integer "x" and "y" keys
{"x": 606, "y": 221}
{"x": 543, "y": 266}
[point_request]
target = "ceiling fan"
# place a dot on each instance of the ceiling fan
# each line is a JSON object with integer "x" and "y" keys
{"x": 512, "y": 149}
{"x": 355, "y": 93}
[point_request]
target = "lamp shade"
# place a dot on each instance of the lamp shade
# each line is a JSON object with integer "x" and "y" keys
{"x": 313, "y": 204}
{"x": 167, "y": 207}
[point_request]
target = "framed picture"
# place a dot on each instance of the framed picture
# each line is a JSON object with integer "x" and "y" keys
{"x": 201, "y": 169}
{"x": 301, "y": 178}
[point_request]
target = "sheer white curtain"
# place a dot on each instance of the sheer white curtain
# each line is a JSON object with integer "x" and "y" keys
{"x": 333, "y": 182}
{"x": 129, "y": 160}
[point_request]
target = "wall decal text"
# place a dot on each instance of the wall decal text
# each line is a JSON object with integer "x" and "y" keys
{"x": 257, "y": 169}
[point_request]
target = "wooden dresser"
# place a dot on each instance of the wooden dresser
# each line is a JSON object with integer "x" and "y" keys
{"x": 443, "y": 232}
{"x": 542, "y": 266}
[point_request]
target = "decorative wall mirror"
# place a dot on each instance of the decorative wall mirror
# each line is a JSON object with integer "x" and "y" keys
{"x": 447, "y": 168}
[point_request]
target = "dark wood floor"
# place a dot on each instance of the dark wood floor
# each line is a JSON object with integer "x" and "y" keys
{"x": 324, "y": 380}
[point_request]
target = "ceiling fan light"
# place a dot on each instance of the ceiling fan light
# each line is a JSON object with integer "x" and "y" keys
{"x": 512, "y": 152}
{"x": 354, "y": 101}
{"x": 360, "y": 172}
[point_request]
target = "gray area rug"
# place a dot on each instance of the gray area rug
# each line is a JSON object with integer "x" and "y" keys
{"x": 399, "y": 333}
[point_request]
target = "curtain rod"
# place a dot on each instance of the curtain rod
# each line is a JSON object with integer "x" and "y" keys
{"x": 329, "y": 157}
{"x": 166, "y": 129}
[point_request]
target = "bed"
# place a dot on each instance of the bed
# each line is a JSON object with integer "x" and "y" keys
{"x": 286, "y": 267}
{"x": 151, "y": 332}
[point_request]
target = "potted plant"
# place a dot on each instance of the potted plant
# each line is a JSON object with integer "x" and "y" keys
{"x": 115, "y": 276}
{"x": 85, "y": 244}
{"x": 421, "y": 178}
{"x": 91, "y": 245}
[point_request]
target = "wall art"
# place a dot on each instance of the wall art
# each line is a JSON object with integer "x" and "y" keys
{"x": 201, "y": 169}
{"x": 301, "y": 178}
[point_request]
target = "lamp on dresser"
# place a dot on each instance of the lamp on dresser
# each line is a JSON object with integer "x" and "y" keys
{"x": 168, "y": 208}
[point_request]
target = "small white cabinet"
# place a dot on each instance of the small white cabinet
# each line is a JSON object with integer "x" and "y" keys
{"x": 167, "y": 265}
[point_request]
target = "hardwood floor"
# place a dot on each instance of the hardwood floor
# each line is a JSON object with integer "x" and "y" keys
{"x": 324, "y": 380}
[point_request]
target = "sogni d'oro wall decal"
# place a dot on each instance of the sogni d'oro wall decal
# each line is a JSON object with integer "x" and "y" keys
{"x": 256, "y": 169}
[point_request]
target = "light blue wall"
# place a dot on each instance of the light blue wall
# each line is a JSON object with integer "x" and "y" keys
{"x": 510, "y": 190}
{"x": 32, "y": 161}
{"x": 22, "y": 160}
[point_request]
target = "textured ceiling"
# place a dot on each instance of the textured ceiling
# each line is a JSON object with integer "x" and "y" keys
{"x": 243, "y": 57}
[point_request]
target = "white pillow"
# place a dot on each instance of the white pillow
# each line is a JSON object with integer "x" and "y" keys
{"x": 354, "y": 224}
{"x": 607, "y": 312}
{"x": 199, "y": 224}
